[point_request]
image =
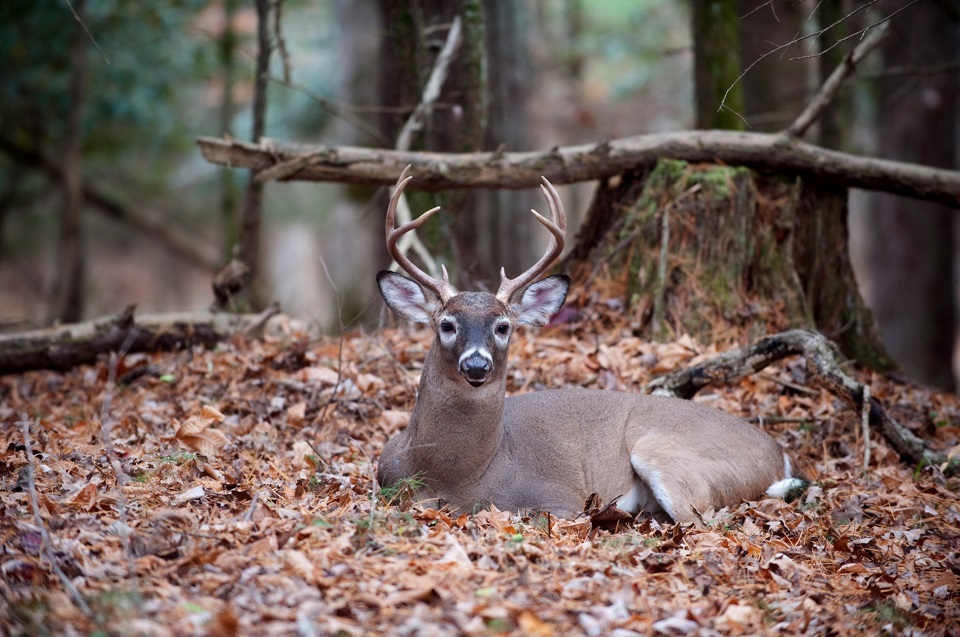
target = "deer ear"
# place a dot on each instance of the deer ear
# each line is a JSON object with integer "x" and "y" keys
{"x": 405, "y": 297}
{"x": 542, "y": 300}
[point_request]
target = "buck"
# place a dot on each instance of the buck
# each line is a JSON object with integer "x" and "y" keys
{"x": 470, "y": 446}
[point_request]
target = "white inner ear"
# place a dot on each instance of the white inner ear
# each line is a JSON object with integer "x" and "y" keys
{"x": 541, "y": 300}
{"x": 406, "y": 298}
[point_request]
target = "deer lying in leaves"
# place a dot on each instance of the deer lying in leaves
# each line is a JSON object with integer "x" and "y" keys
{"x": 470, "y": 446}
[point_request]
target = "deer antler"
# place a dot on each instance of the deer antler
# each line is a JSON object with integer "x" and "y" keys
{"x": 439, "y": 287}
{"x": 557, "y": 225}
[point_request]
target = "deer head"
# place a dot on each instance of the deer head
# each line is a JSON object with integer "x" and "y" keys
{"x": 474, "y": 328}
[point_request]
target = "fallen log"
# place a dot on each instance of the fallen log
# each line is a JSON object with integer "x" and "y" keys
{"x": 273, "y": 159}
{"x": 63, "y": 347}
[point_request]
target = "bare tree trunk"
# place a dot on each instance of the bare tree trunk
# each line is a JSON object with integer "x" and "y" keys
{"x": 501, "y": 228}
{"x": 413, "y": 28}
{"x": 249, "y": 252}
{"x": 837, "y": 119}
{"x": 716, "y": 64}
{"x": 911, "y": 255}
{"x": 68, "y": 288}
{"x": 228, "y": 186}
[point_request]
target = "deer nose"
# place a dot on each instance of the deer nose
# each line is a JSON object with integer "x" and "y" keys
{"x": 475, "y": 368}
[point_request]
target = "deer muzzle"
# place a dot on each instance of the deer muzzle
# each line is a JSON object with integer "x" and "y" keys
{"x": 476, "y": 367}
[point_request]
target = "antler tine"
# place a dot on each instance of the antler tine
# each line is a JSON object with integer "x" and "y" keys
{"x": 440, "y": 287}
{"x": 557, "y": 225}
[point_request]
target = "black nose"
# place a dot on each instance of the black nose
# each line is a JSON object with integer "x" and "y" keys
{"x": 475, "y": 369}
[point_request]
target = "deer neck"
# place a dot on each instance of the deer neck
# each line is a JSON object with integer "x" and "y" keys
{"x": 455, "y": 429}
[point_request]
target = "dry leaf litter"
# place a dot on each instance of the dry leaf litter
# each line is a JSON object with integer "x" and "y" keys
{"x": 231, "y": 492}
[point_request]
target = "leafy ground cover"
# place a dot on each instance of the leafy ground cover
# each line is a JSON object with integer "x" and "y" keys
{"x": 231, "y": 492}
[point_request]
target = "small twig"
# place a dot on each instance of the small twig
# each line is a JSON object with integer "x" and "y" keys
{"x": 83, "y": 25}
{"x": 815, "y": 34}
{"x": 260, "y": 320}
{"x": 768, "y": 3}
{"x": 912, "y": 70}
{"x": 795, "y": 386}
{"x": 278, "y": 37}
{"x": 44, "y": 534}
{"x": 333, "y": 108}
{"x": 106, "y": 437}
{"x": 831, "y": 86}
{"x": 859, "y": 33}
{"x": 336, "y": 386}
{"x": 865, "y": 427}
{"x": 659, "y": 298}
{"x": 780, "y": 420}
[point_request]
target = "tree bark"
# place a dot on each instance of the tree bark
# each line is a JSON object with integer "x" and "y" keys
{"x": 727, "y": 254}
{"x": 837, "y": 119}
{"x": 276, "y": 160}
{"x": 228, "y": 186}
{"x": 68, "y": 301}
{"x": 911, "y": 286}
{"x": 504, "y": 229}
{"x": 249, "y": 246}
{"x": 716, "y": 58}
{"x": 415, "y": 30}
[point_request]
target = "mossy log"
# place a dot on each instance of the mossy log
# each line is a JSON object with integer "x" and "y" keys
{"x": 727, "y": 254}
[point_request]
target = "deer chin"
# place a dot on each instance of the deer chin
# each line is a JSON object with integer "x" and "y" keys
{"x": 475, "y": 382}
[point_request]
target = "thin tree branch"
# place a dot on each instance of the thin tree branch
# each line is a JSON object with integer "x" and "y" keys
{"x": 157, "y": 229}
{"x": 781, "y": 47}
{"x": 828, "y": 91}
{"x": 281, "y": 42}
{"x": 857, "y": 33}
{"x": 252, "y": 211}
{"x": 83, "y": 25}
{"x": 333, "y": 108}
{"x": 911, "y": 70}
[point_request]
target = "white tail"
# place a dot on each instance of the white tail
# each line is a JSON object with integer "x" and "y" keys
{"x": 550, "y": 450}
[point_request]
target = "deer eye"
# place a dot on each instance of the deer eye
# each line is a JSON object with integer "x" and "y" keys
{"x": 447, "y": 327}
{"x": 503, "y": 329}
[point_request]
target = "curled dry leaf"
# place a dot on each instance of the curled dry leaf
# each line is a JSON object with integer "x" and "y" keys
{"x": 196, "y": 433}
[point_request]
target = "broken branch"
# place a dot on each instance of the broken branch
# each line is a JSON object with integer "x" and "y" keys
{"x": 823, "y": 366}
{"x": 572, "y": 164}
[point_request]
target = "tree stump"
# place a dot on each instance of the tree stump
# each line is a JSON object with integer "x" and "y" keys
{"x": 727, "y": 254}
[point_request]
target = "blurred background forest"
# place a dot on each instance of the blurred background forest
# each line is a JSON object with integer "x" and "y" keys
{"x": 103, "y": 192}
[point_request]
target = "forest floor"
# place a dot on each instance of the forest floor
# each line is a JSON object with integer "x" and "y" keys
{"x": 231, "y": 492}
